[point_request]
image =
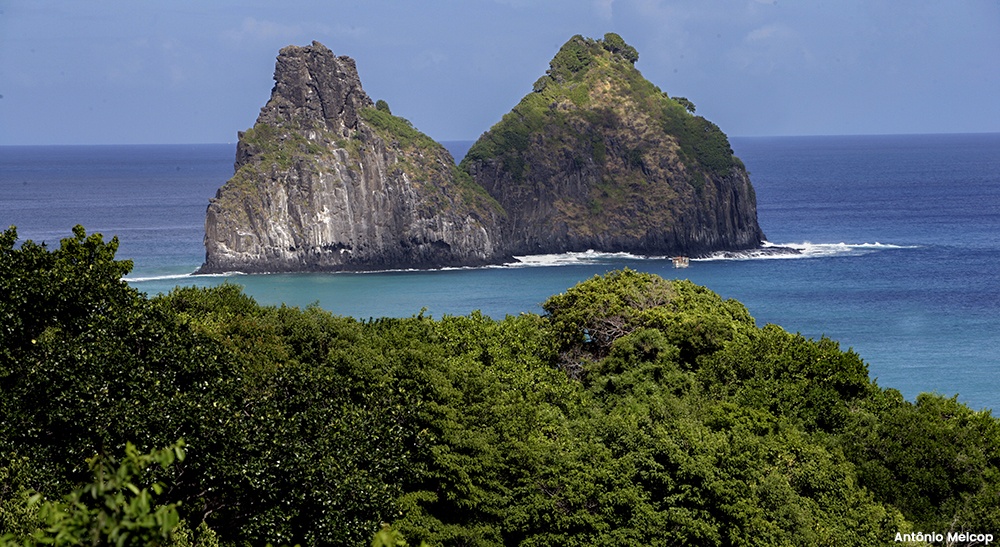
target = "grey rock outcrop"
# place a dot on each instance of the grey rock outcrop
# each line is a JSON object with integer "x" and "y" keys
{"x": 563, "y": 204}
{"x": 318, "y": 187}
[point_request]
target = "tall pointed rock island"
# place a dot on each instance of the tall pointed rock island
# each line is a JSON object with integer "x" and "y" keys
{"x": 326, "y": 181}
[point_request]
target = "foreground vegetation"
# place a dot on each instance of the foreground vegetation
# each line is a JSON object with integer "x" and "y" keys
{"x": 636, "y": 411}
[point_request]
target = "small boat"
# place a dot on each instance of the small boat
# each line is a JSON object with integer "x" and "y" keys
{"x": 681, "y": 261}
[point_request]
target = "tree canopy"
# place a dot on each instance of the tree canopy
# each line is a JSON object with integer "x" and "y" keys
{"x": 635, "y": 411}
{"x": 615, "y": 44}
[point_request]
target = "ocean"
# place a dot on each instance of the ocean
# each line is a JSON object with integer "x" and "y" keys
{"x": 899, "y": 239}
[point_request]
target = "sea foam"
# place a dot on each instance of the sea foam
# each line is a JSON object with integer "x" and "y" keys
{"x": 168, "y": 277}
{"x": 767, "y": 251}
{"x": 569, "y": 259}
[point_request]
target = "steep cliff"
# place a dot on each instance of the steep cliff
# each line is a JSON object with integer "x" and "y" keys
{"x": 597, "y": 157}
{"x": 326, "y": 181}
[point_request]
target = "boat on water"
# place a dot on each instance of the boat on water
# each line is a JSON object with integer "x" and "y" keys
{"x": 681, "y": 261}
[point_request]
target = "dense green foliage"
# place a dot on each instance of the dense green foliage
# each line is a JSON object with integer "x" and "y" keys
{"x": 616, "y": 45}
{"x": 578, "y": 72}
{"x": 111, "y": 509}
{"x": 266, "y": 429}
{"x": 636, "y": 411}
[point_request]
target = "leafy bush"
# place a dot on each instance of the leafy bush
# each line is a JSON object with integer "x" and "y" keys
{"x": 112, "y": 509}
{"x": 18, "y": 511}
{"x": 594, "y": 314}
{"x": 810, "y": 382}
{"x": 615, "y": 44}
{"x": 936, "y": 459}
{"x": 572, "y": 59}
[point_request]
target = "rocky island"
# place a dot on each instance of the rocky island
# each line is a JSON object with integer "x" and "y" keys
{"x": 595, "y": 157}
{"x": 326, "y": 181}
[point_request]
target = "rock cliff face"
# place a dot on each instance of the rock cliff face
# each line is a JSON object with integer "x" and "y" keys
{"x": 325, "y": 181}
{"x": 595, "y": 158}
{"x": 599, "y": 158}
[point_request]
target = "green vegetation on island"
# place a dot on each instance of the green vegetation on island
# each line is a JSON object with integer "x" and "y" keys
{"x": 591, "y": 87}
{"x": 268, "y": 150}
{"x": 635, "y": 411}
{"x": 426, "y": 161}
{"x": 612, "y": 157}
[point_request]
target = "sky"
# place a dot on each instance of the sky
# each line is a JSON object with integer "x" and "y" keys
{"x": 134, "y": 72}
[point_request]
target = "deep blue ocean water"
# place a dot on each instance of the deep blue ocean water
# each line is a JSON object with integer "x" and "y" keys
{"x": 900, "y": 238}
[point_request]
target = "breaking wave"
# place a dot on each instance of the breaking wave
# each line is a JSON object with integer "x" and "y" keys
{"x": 168, "y": 277}
{"x": 767, "y": 251}
{"x": 569, "y": 259}
{"x": 804, "y": 250}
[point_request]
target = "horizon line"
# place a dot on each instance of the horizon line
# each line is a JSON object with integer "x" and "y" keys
{"x": 474, "y": 140}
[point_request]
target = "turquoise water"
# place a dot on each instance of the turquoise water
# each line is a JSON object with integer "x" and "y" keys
{"x": 900, "y": 238}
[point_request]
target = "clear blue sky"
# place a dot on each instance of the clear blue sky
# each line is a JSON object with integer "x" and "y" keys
{"x": 132, "y": 72}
